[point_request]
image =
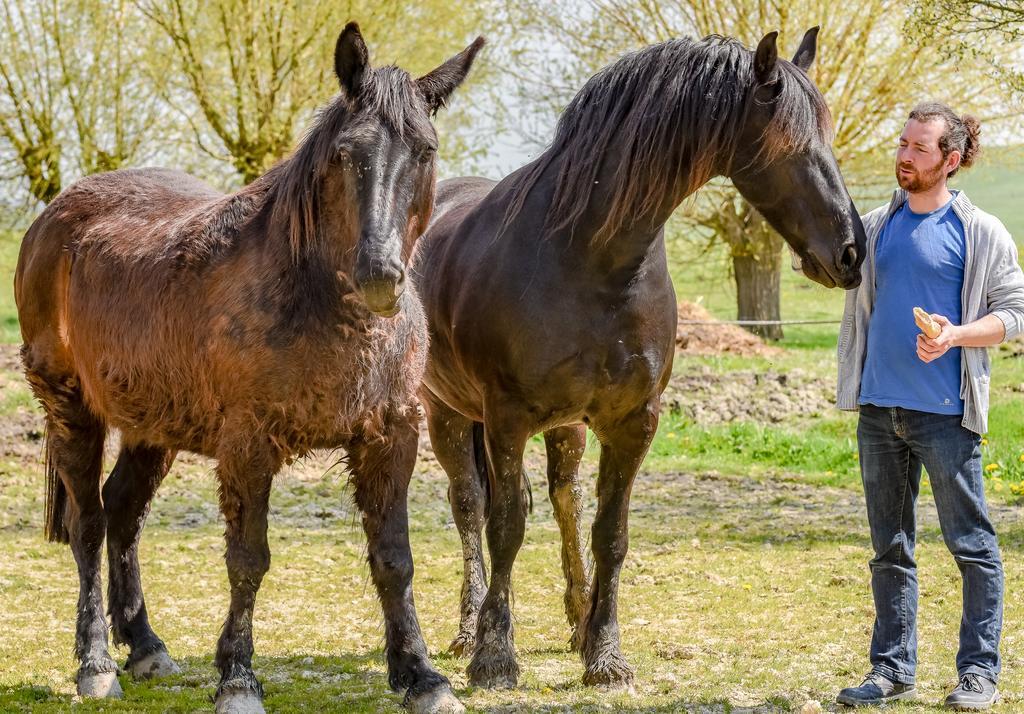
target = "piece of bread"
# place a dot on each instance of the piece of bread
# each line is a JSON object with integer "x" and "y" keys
{"x": 928, "y": 326}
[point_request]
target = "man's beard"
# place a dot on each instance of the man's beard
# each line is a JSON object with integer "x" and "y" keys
{"x": 918, "y": 181}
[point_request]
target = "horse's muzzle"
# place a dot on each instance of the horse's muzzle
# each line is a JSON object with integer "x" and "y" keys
{"x": 383, "y": 296}
{"x": 381, "y": 281}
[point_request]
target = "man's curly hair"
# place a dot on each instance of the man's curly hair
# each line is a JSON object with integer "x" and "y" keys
{"x": 961, "y": 134}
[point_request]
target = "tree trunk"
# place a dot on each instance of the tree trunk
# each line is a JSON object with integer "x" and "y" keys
{"x": 756, "y": 252}
{"x": 757, "y": 290}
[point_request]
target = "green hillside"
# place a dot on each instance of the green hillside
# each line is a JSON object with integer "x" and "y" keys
{"x": 995, "y": 184}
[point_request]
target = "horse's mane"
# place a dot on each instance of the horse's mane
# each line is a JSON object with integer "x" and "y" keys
{"x": 294, "y": 184}
{"x": 677, "y": 108}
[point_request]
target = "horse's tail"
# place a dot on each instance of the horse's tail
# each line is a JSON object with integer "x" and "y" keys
{"x": 73, "y": 440}
{"x": 483, "y": 473}
{"x": 54, "y": 527}
{"x": 528, "y": 489}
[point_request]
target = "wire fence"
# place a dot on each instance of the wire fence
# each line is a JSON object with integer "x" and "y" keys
{"x": 753, "y": 323}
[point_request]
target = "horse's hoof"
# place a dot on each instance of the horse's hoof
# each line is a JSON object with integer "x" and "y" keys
{"x": 156, "y": 664}
{"x": 493, "y": 670}
{"x": 436, "y": 701}
{"x": 99, "y": 685}
{"x": 239, "y": 701}
{"x": 462, "y": 645}
{"x": 609, "y": 673}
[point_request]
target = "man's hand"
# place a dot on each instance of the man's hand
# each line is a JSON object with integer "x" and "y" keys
{"x": 929, "y": 349}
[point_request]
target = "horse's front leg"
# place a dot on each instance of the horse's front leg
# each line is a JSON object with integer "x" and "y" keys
{"x": 624, "y": 444}
{"x": 245, "y": 473}
{"x": 381, "y": 466}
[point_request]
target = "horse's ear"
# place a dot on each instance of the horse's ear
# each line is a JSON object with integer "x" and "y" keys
{"x": 804, "y": 56}
{"x": 438, "y": 84}
{"x": 351, "y": 59}
{"x": 765, "y": 58}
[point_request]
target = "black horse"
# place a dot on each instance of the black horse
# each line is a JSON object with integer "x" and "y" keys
{"x": 551, "y": 308}
{"x": 250, "y": 328}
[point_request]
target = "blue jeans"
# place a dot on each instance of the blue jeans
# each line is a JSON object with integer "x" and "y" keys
{"x": 894, "y": 443}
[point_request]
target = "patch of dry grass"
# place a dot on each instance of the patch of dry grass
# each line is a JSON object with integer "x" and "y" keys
{"x": 737, "y": 595}
{"x": 740, "y": 593}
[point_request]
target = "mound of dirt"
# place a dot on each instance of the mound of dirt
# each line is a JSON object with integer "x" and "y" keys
{"x": 710, "y": 398}
{"x": 710, "y": 339}
{"x": 1014, "y": 347}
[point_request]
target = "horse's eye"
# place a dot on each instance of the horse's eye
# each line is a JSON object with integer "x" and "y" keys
{"x": 426, "y": 155}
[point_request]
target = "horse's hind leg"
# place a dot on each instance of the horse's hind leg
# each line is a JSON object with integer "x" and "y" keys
{"x": 126, "y": 497}
{"x": 565, "y": 446}
{"x": 381, "y": 466}
{"x": 451, "y": 437}
{"x": 494, "y": 658}
{"x": 74, "y": 455}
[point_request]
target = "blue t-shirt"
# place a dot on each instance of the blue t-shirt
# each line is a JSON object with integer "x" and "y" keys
{"x": 919, "y": 261}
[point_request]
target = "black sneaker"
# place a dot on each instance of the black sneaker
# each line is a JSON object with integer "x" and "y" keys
{"x": 973, "y": 693}
{"x": 874, "y": 690}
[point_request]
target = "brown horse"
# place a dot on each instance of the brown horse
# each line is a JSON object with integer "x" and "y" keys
{"x": 550, "y": 304}
{"x": 251, "y": 328}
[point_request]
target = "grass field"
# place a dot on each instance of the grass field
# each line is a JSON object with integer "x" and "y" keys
{"x": 741, "y": 593}
{"x": 746, "y": 586}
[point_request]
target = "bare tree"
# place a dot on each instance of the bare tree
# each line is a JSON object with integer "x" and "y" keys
{"x": 247, "y": 73}
{"x": 964, "y": 22}
{"x": 75, "y": 98}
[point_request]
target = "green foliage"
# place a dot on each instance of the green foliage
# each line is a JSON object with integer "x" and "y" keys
{"x": 217, "y": 88}
{"x": 1003, "y": 446}
{"x": 975, "y": 31}
{"x": 251, "y": 73}
{"x": 74, "y": 97}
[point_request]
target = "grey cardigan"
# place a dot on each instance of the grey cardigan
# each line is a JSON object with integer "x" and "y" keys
{"x": 993, "y": 283}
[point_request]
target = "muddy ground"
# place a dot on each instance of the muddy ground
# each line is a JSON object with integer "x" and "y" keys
{"x": 704, "y": 396}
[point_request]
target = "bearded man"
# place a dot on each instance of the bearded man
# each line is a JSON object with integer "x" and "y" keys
{"x": 924, "y": 401}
